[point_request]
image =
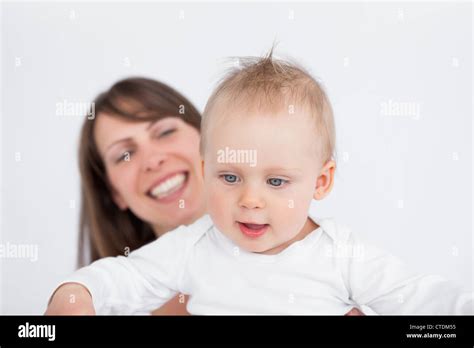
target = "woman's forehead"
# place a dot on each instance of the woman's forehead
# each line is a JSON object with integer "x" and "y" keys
{"x": 110, "y": 129}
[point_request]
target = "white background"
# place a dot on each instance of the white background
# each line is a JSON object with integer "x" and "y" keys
{"x": 404, "y": 181}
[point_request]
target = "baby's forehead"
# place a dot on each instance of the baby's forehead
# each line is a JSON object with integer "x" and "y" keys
{"x": 277, "y": 102}
{"x": 278, "y": 129}
{"x": 275, "y": 135}
{"x": 226, "y": 112}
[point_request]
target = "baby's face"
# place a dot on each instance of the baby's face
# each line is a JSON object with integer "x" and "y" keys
{"x": 260, "y": 174}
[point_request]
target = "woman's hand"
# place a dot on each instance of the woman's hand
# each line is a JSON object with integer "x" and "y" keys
{"x": 71, "y": 299}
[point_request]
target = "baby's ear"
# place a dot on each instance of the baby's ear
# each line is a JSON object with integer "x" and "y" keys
{"x": 325, "y": 180}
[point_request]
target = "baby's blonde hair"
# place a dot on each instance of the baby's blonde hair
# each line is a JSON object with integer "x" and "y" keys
{"x": 270, "y": 84}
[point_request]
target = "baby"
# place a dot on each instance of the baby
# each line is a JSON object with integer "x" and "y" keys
{"x": 267, "y": 145}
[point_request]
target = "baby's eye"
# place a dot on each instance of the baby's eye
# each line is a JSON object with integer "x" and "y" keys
{"x": 230, "y": 178}
{"x": 276, "y": 182}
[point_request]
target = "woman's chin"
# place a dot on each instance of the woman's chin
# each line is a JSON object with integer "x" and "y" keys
{"x": 170, "y": 217}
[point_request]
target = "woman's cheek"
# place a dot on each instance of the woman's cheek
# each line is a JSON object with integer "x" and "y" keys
{"x": 117, "y": 179}
{"x": 124, "y": 179}
{"x": 189, "y": 146}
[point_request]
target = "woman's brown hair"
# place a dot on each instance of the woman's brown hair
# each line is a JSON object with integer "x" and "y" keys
{"x": 104, "y": 229}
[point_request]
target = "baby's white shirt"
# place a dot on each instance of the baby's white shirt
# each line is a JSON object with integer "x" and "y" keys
{"x": 328, "y": 272}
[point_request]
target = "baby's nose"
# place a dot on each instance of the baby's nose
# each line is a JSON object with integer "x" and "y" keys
{"x": 251, "y": 199}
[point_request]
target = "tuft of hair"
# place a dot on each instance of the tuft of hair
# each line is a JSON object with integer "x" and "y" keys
{"x": 268, "y": 84}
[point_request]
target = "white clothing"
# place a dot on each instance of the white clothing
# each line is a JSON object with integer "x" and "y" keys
{"x": 328, "y": 272}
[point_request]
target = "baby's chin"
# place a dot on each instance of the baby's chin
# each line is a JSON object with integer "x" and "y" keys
{"x": 251, "y": 246}
{"x": 256, "y": 246}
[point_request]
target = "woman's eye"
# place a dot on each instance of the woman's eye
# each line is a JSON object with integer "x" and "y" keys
{"x": 125, "y": 157}
{"x": 166, "y": 132}
{"x": 276, "y": 182}
{"x": 230, "y": 178}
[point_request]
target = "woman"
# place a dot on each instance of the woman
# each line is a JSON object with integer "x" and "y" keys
{"x": 141, "y": 174}
{"x": 140, "y": 170}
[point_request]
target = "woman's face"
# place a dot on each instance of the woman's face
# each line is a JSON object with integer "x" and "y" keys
{"x": 154, "y": 168}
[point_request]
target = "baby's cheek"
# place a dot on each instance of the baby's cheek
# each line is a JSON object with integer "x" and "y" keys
{"x": 291, "y": 217}
{"x": 286, "y": 219}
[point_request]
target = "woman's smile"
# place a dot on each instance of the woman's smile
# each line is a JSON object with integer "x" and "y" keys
{"x": 169, "y": 188}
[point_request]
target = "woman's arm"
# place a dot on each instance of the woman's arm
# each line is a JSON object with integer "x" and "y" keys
{"x": 75, "y": 299}
{"x": 71, "y": 299}
{"x": 138, "y": 283}
{"x": 175, "y": 306}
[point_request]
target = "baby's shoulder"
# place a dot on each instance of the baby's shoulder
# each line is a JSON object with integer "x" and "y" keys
{"x": 191, "y": 234}
{"x": 334, "y": 229}
{"x": 337, "y": 231}
{"x": 348, "y": 242}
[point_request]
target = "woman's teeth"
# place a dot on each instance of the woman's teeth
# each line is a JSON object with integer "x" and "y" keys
{"x": 169, "y": 186}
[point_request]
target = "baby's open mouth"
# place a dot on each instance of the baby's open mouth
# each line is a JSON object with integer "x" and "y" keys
{"x": 252, "y": 230}
{"x": 168, "y": 186}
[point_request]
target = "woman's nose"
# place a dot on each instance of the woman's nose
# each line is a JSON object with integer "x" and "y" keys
{"x": 251, "y": 199}
{"x": 154, "y": 161}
